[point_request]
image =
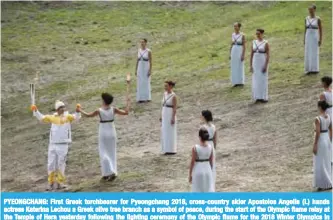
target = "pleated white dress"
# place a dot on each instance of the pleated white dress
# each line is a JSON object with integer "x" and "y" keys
{"x": 211, "y": 131}
{"x": 169, "y": 131}
{"x": 107, "y": 142}
{"x": 237, "y": 66}
{"x": 322, "y": 161}
{"x": 202, "y": 174}
{"x": 259, "y": 79}
{"x": 311, "y": 54}
{"x": 143, "y": 92}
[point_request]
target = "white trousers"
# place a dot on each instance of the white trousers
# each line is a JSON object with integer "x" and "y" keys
{"x": 56, "y": 162}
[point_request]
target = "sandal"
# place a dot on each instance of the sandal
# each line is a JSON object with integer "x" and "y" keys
{"x": 104, "y": 178}
{"x": 49, "y": 187}
{"x": 111, "y": 178}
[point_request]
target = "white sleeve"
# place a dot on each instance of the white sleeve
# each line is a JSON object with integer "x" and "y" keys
{"x": 39, "y": 115}
{"x": 77, "y": 116}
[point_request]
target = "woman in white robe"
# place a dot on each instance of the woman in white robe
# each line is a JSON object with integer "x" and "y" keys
{"x": 259, "y": 67}
{"x": 107, "y": 139}
{"x": 237, "y": 55}
{"x": 312, "y": 41}
{"x": 326, "y": 82}
{"x": 207, "y": 119}
{"x": 201, "y": 173}
{"x": 327, "y": 97}
{"x": 169, "y": 120}
{"x": 143, "y": 72}
{"x": 322, "y": 179}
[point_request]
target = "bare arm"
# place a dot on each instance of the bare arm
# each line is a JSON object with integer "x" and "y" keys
{"x": 214, "y": 139}
{"x": 322, "y": 97}
{"x": 232, "y": 43}
{"x": 267, "y": 58}
{"x": 211, "y": 159}
{"x": 315, "y": 144}
{"x": 128, "y": 102}
{"x": 194, "y": 155}
{"x": 267, "y": 54}
{"x": 120, "y": 111}
{"x": 330, "y": 129}
{"x": 320, "y": 32}
{"x": 244, "y": 47}
{"x": 136, "y": 67}
{"x": 174, "y": 108}
{"x": 150, "y": 62}
{"x": 251, "y": 59}
{"x": 91, "y": 114}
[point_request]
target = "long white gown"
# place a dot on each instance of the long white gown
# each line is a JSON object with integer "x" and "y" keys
{"x": 322, "y": 161}
{"x": 237, "y": 66}
{"x": 107, "y": 142}
{"x": 169, "y": 131}
{"x": 211, "y": 131}
{"x": 311, "y": 54}
{"x": 143, "y": 92}
{"x": 202, "y": 174}
{"x": 259, "y": 79}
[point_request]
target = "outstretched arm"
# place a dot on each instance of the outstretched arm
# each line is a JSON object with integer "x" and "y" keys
{"x": 120, "y": 111}
{"x": 128, "y": 102}
{"x": 123, "y": 112}
{"x": 40, "y": 116}
{"x": 76, "y": 116}
{"x": 91, "y": 114}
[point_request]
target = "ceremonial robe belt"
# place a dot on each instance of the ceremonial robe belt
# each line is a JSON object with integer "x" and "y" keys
{"x": 259, "y": 51}
{"x": 146, "y": 60}
{"x": 311, "y": 27}
{"x": 168, "y": 106}
{"x": 203, "y": 160}
{"x": 108, "y": 121}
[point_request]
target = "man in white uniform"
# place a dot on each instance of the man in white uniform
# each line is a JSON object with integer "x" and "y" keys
{"x": 60, "y": 139}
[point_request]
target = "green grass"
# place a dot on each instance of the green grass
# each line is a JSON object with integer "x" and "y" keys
{"x": 187, "y": 41}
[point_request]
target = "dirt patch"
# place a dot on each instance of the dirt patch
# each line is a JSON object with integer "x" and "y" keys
{"x": 252, "y": 140}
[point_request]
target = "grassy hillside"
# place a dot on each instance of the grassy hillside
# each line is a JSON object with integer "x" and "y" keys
{"x": 84, "y": 48}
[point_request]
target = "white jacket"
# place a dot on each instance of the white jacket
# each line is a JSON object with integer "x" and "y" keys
{"x": 60, "y": 132}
